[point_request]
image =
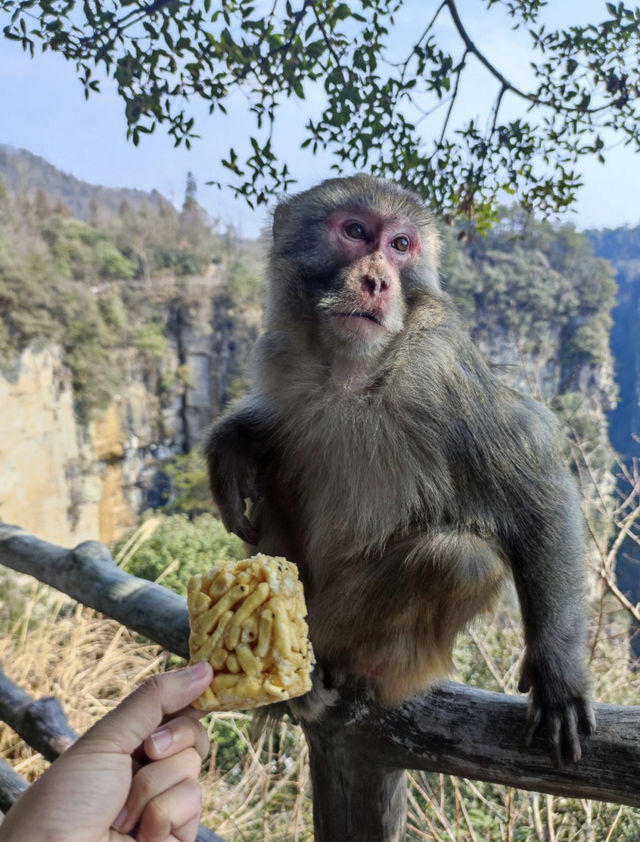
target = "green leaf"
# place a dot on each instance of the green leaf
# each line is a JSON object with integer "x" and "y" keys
{"x": 342, "y": 12}
{"x": 315, "y": 48}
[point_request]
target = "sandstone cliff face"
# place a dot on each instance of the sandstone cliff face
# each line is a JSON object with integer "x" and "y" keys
{"x": 68, "y": 482}
{"x": 62, "y": 481}
{"x": 44, "y": 454}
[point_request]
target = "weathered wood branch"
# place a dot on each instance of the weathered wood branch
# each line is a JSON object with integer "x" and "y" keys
{"x": 453, "y": 729}
{"x": 12, "y": 785}
{"x": 89, "y": 575}
{"x": 41, "y": 723}
{"x": 460, "y": 731}
{"x": 356, "y": 797}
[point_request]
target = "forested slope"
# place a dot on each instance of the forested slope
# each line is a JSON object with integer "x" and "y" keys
{"x": 120, "y": 335}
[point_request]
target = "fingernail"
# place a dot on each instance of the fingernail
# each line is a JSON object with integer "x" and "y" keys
{"x": 198, "y": 671}
{"x": 162, "y": 738}
{"x": 121, "y": 818}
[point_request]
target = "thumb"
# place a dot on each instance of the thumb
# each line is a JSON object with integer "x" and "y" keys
{"x": 128, "y": 725}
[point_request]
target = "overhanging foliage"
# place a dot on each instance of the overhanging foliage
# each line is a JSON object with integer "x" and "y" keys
{"x": 373, "y": 94}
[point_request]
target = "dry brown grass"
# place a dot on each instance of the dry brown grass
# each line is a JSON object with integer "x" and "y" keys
{"x": 58, "y": 648}
{"x": 265, "y": 794}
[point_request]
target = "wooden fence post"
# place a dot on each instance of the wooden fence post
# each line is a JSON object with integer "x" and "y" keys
{"x": 355, "y": 798}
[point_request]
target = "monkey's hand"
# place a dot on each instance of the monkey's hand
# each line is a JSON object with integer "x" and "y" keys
{"x": 559, "y": 701}
{"x": 233, "y": 477}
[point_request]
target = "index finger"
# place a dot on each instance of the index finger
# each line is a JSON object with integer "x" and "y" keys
{"x": 128, "y": 725}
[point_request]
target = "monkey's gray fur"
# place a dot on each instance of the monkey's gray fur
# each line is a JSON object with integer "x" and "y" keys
{"x": 403, "y": 478}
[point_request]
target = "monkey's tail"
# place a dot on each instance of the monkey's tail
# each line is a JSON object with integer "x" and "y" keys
{"x": 265, "y": 719}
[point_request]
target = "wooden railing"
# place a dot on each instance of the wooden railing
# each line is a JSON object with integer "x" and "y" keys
{"x": 358, "y": 751}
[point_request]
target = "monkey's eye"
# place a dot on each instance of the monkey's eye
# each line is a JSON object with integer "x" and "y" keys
{"x": 400, "y": 243}
{"x": 355, "y": 231}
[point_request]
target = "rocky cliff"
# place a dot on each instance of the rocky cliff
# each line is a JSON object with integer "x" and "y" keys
{"x": 66, "y": 481}
{"x": 621, "y": 247}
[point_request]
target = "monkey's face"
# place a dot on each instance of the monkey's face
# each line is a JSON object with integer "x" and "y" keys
{"x": 349, "y": 256}
{"x": 363, "y": 306}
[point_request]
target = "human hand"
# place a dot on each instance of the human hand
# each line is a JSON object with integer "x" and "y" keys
{"x": 126, "y": 778}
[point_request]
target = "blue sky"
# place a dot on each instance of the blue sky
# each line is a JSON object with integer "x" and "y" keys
{"x": 43, "y": 110}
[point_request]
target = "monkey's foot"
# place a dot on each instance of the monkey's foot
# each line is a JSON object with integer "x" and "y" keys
{"x": 313, "y": 704}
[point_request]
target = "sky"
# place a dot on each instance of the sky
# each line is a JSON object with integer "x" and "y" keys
{"x": 42, "y": 109}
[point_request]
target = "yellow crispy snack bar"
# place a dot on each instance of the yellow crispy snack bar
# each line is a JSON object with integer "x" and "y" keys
{"x": 247, "y": 619}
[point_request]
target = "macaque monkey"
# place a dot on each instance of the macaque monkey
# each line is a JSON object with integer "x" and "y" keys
{"x": 380, "y": 452}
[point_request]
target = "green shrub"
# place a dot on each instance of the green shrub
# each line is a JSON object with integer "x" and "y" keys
{"x": 179, "y": 548}
{"x": 189, "y": 484}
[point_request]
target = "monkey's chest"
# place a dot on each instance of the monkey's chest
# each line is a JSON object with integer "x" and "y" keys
{"x": 355, "y": 473}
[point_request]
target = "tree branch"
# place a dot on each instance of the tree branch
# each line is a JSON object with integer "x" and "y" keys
{"x": 471, "y": 48}
{"x": 12, "y": 785}
{"x": 89, "y": 575}
{"x": 454, "y": 96}
{"x": 504, "y": 82}
{"x": 405, "y": 63}
{"x": 126, "y": 21}
{"x": 327, "y": 41}
{"x": 41, "y": 723}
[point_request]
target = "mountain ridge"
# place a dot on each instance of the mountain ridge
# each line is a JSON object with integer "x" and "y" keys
{"x": 23, "y": 171}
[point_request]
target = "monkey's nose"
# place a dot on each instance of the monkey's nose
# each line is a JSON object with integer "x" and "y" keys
{"x": 374, "y": 285}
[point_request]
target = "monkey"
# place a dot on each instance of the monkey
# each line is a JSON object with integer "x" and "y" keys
{"x": 381, "y": 452}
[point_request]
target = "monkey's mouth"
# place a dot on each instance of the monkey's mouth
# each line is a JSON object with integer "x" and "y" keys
{"x": 361, "y": 327}
{"x": 361, "y": 315}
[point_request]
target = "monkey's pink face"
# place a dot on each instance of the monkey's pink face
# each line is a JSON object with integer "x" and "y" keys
{"x": 374, "y": 250}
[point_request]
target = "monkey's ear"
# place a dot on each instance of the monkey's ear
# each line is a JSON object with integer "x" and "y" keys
{"x": 280, "y": 217}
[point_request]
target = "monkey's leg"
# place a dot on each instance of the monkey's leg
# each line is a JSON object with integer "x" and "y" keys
{"x": 394, "y": 617}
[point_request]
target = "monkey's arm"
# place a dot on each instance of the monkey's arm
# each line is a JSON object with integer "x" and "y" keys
{"x": 233, "y": 448}
{"x": 547, "y": 556}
